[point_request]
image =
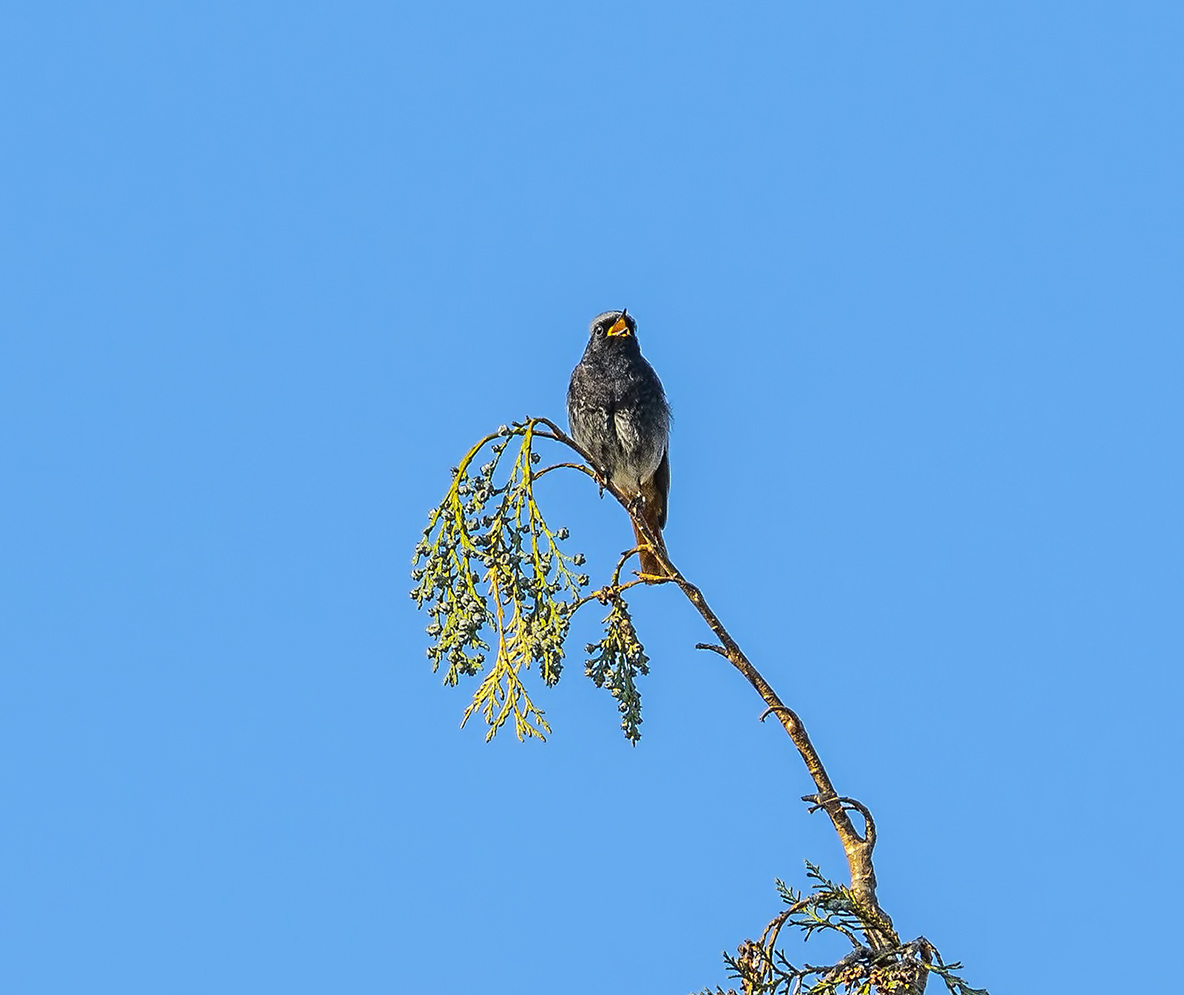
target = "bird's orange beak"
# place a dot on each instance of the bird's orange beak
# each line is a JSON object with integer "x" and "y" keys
{"x": 621, "y": 327}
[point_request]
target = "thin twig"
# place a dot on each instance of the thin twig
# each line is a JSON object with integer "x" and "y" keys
{"x": 603, "y": 594}
{"x": 714, "y": 649}
{"x": 557, "y": 466}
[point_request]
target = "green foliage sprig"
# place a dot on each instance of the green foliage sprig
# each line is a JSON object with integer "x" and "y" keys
{"x": 488, "y": 561}
{"x": 615, "y": 662}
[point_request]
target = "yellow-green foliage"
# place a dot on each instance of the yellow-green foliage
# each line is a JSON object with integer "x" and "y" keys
{"x": 488, "y": 558}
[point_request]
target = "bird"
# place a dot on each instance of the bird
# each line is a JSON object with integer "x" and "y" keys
{"x": 618, "y": 413}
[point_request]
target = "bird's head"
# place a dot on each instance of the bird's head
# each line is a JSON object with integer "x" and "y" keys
{"x": 613, "y": 328}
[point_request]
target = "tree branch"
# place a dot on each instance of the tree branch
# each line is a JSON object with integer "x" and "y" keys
{"x": 858, "y": 848}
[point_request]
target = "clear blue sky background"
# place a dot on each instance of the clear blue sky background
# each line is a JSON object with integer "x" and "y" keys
{"x": 911, "y": 274}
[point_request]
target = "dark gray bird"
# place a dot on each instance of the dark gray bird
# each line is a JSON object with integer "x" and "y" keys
{"x": 617, "y": 410}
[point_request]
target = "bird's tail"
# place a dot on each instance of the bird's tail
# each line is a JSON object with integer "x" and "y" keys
{"x": 650, "y": 565}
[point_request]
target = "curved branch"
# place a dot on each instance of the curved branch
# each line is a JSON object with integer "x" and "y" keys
{"x": 773, "y": 930}
{"x": 869, "y": 824}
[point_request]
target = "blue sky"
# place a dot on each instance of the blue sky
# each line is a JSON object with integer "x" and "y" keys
{"x": 911, "y": 276}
